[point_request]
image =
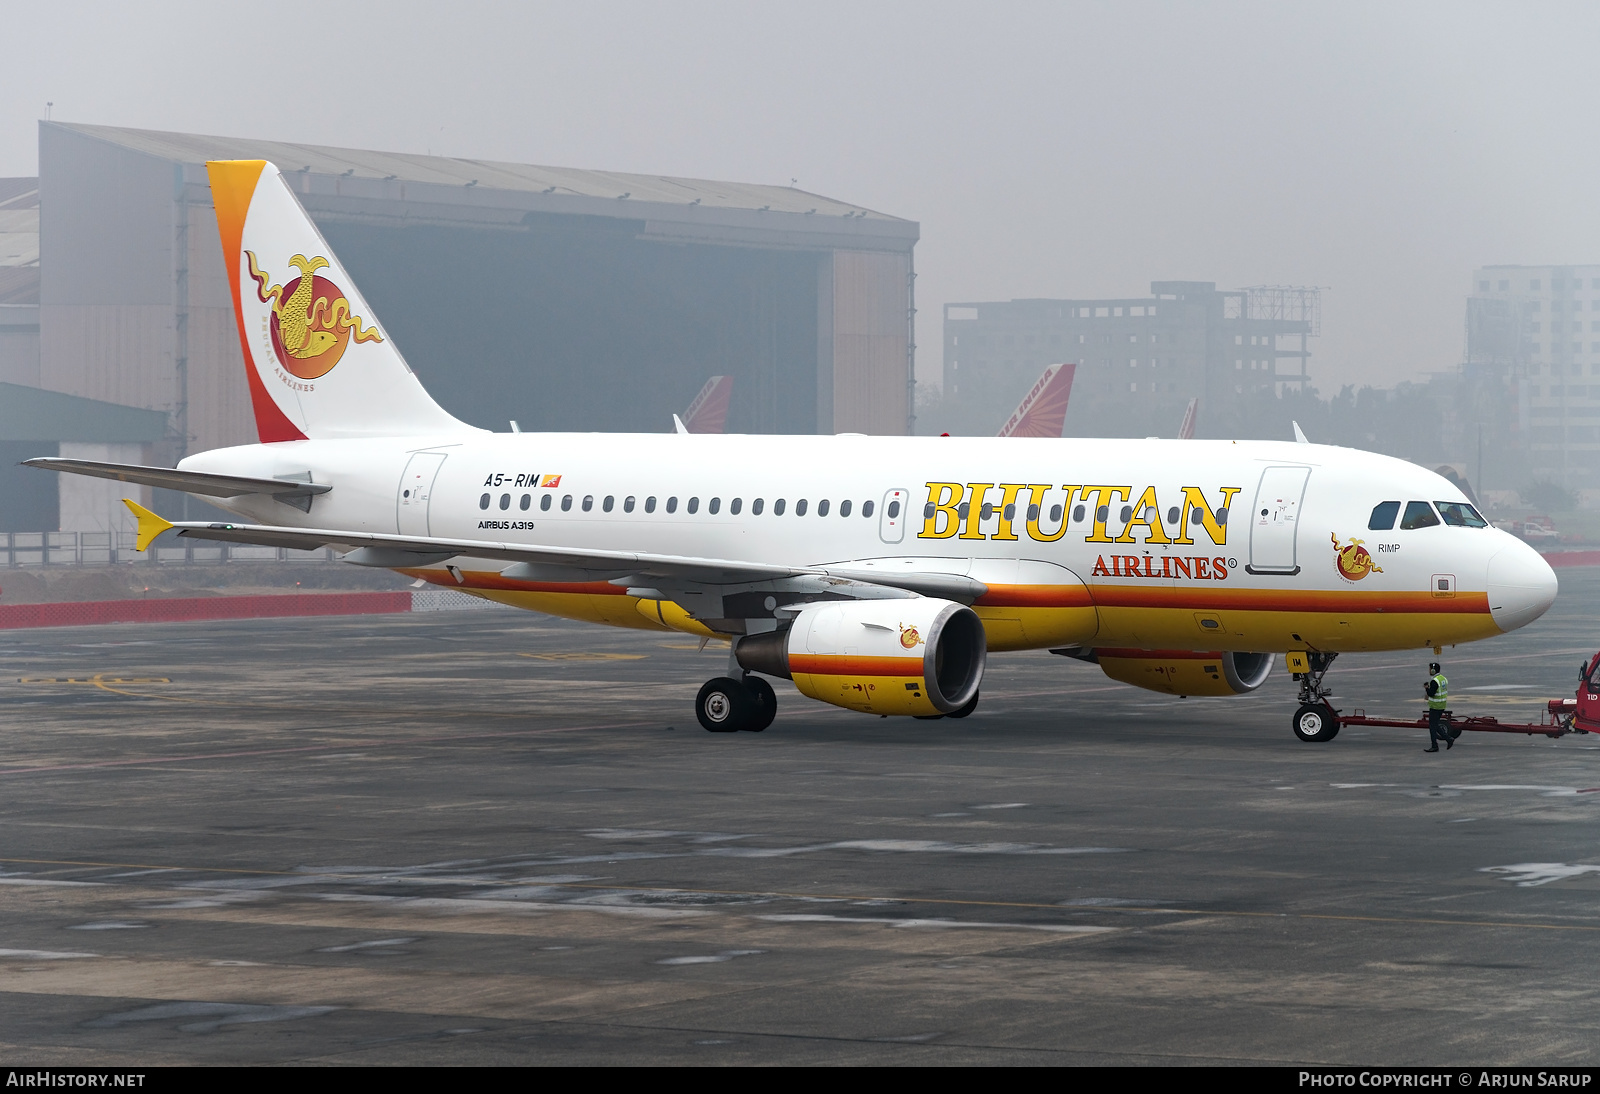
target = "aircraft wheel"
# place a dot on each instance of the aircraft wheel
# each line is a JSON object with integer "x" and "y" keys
{"x": 724, "y": 705}
{"x": 766, "y": 703}
{"x": 1316, "y": 723}
{"x": 972, "y": 705}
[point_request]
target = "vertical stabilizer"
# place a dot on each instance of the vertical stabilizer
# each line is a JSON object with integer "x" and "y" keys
{"x": 1186, "y": 430}
{"x": 709, "y": 411}
{"x": 317, "y": 361}
{"x": 1043, "y": 410}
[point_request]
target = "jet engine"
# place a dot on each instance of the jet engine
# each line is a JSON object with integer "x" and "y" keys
{"x": 921, "y": 655}
{"x": 1185, "y": 672}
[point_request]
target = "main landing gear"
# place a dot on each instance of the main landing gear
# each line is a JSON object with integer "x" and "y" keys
{"x": 728, "y": 704}
{"x": 1316, "y": 721}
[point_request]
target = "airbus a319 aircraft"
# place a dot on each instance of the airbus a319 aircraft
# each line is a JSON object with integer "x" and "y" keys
{"x": 877, "y": 573}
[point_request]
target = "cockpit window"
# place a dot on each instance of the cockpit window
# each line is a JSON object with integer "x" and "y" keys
{"x": 1458, "y": 514}
{"x": 1419, "y": 514}
{"x": 1383, "y": 515}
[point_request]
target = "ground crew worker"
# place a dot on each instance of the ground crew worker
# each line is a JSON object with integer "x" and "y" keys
{"x": 1437, "y": 688}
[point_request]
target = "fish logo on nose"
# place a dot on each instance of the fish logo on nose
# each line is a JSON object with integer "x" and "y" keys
{"x": 311, "y": 324}
{"x": 1353, "y": 560}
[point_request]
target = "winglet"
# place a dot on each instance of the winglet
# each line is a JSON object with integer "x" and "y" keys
{"x": 150, "y": 525}
{"x": 678, "y": 426}
{"x": 1299, "y": 434}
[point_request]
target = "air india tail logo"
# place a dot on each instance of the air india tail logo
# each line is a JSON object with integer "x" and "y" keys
{"x": 311, "y": 322}
{"x": 1353, "y": 560}
{"x": 909, "y": 638}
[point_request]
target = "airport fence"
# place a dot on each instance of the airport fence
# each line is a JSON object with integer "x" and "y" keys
{"x": 32, "y": 549}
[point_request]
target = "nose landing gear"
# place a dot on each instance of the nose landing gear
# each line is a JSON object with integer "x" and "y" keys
{"x": 727, "y": 705}
{"x": 1315, "y": 721}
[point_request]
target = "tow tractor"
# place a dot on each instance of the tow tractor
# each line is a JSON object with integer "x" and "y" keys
{"x": 1318, "y": 720}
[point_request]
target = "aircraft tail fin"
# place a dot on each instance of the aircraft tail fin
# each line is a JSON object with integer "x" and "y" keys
{"x": 317, "y": 361}
{"x": 709, "y": 411}
{"x": 1043, "y": 410}
{"x": 1186, "y": 430}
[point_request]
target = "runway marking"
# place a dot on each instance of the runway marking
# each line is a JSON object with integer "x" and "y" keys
{"x": 104, "y": 682}
{"x": 342, "y": 746}
{"x": 94, "y": 680}
{"x": 585, "y": 656}
{"x": 943, "y": 901}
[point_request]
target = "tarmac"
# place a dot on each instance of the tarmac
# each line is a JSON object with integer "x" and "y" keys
{"x": 492, "y": 837}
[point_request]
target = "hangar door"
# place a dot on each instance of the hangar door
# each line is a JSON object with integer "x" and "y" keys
{"x": 1274, "y": 519}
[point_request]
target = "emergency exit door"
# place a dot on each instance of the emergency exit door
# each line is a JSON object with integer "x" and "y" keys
{"x": 1274, "y": 519}
{"x": 416, "y": 487}
{"x": 893, "y": 516}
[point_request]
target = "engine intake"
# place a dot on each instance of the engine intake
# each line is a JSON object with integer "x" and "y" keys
{"x": 919, "y": 656}
{"x": 1187, "y": 672}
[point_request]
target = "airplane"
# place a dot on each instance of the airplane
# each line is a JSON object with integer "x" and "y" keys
{"x": 876, "y": 573}
{"x": 709, "y": 411}
{"x": 1043, "y": 409}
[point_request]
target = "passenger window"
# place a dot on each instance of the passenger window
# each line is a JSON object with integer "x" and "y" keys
{"x": 985, "y": 511}
{"x": 694, "y": 505}
{"x": 800, "y": 508}
{"x": 627, "y": 504}
{"x": 608, "y": 503}
{"x": 928, "y": 511}
{"x": 650, "y": 504}
{"x": 672, "y": 505}
{"x": 1222, "y": 515}
{"x": 894, "y": 509}
{"x": 1127, "y": 513}
{"x": 777, "y": 508}
{"x": 1383, "y": 515}
{"x": 505, "y": 501}
{"x": 1458, "y": 514}
{"x": 866, "y": 508}
{"x": 962, "y": 510}
{"x": 844, "y": 508}
{"x": 1172, "y": 515}
{"x": 544, "y": 503}
{"x": 1419, "y": 514}
{"x": 566, "y": 503}
{"x": 735, "y": 505}
{"x": 757, "y": 505}
{"x": 822, "y": 507}
{"x": 527, "y": 500}
{"x": 588, "y": 502}
{"x": 1055, "y": 513}
{"x": 716, "y": 504}
{"x": 483, "y": 502}
{"x": 1102, "y": 514}
{"x": 1077, "y": 514}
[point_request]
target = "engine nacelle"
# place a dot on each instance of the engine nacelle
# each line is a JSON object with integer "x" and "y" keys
{"x": 914, "y": 656}
{"x": 1185, "y": 672}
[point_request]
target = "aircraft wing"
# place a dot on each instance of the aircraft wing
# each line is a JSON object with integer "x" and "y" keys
{"x": 190, "y": 482}
{"x": 396, "y": 551}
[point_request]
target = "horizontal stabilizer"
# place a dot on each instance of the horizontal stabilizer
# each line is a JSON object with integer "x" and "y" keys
{"x": 190, "y": 482}
{"x": 636, "y": 568}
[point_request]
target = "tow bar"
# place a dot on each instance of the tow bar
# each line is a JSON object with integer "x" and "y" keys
{"x": 1580, "y": 714}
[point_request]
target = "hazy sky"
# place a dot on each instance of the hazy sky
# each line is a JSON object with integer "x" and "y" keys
{"x": 1379, "y": 150}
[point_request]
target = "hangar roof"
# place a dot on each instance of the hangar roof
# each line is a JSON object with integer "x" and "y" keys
{"x": 34, "y": 414}
{"x": 324, "y": 175}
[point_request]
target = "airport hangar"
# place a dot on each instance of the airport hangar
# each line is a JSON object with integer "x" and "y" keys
{"x": 564, "y": 299}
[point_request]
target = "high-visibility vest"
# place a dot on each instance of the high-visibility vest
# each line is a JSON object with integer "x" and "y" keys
{"x": 1441, "y": 697}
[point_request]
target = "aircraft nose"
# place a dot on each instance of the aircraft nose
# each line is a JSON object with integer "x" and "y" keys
{"x": 1521, "y": 585}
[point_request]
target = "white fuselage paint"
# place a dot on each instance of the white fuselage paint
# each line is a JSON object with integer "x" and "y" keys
{"x": 1315, "y": 497}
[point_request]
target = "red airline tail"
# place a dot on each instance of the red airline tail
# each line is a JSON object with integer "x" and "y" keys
{"x": 1186, "y": 430}
{"x": 1044, "y": 409}
{"x": 709, "y": 411}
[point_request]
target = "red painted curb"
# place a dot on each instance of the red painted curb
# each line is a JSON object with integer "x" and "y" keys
{"x": 186, "y": 609}
{"x": 1573, "y": 558}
